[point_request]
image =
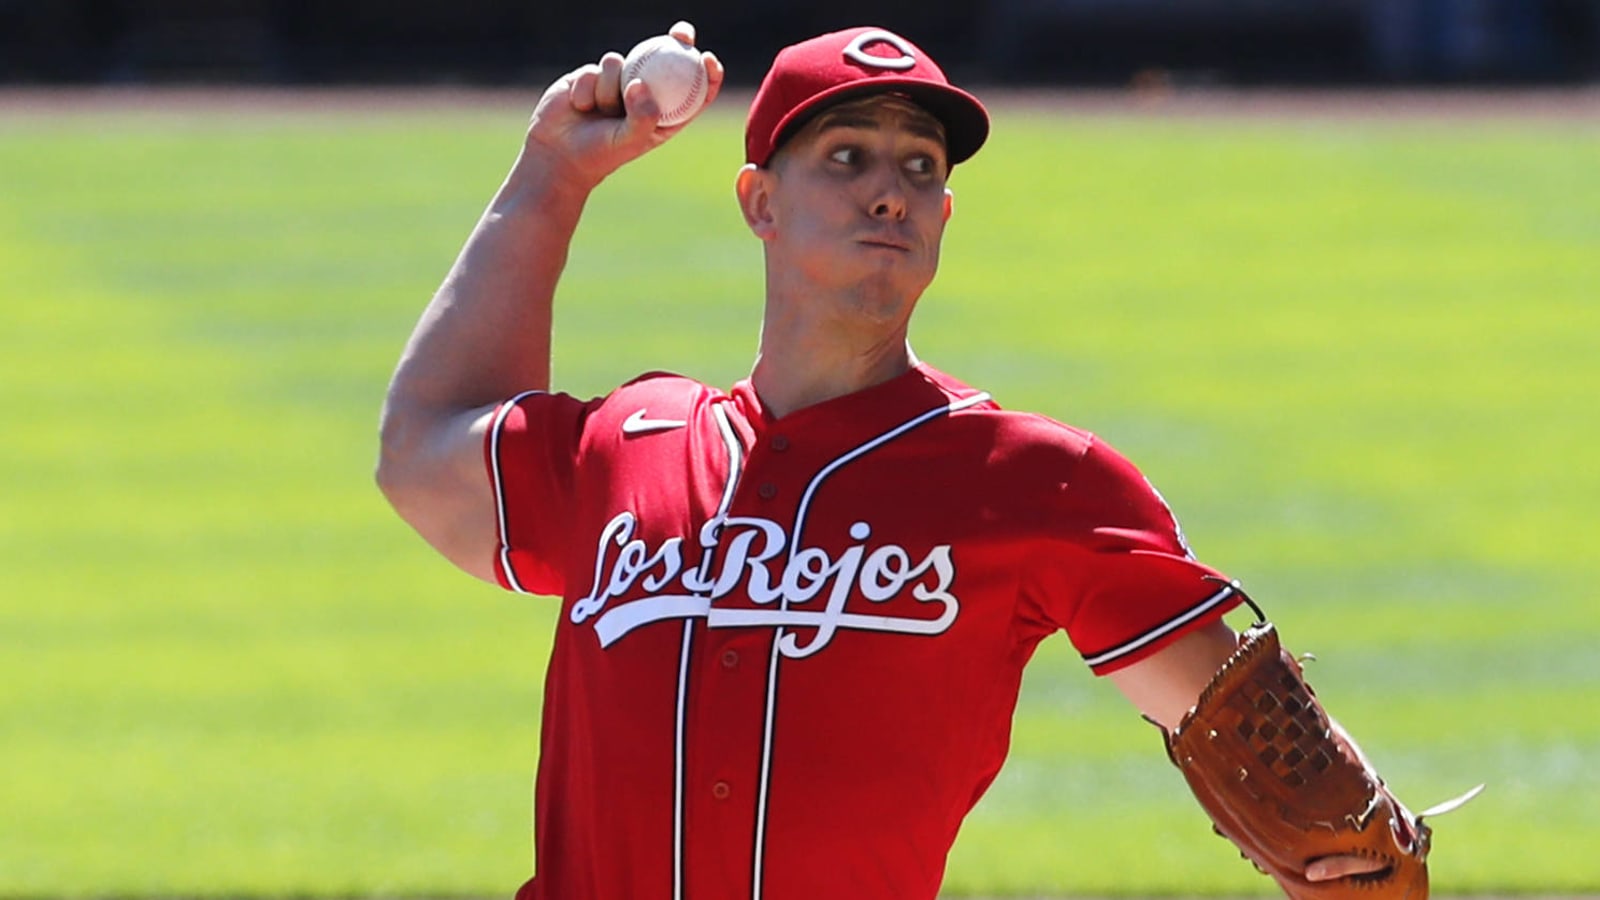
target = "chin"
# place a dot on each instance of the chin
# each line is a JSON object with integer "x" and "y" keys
{"x": 885, "y": 300}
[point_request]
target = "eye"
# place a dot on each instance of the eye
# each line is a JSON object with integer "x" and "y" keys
{"x": 846, "y": 155}
{"x": 921, "y": 165}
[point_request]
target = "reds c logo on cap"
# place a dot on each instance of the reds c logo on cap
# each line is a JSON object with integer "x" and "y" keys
{"x": 850, "y": 64}
{"x": 855, "y": 51}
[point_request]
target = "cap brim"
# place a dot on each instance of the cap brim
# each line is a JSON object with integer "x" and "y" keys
{"x": 966, "y": 122}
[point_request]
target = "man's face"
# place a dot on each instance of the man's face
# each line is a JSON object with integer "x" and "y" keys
{"x": 856, "y": 203}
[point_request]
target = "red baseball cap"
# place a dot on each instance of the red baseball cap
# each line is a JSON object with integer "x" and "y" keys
{"x": 812, "y": 75}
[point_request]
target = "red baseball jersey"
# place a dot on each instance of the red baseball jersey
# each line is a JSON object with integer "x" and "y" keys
{"x": 789, "y": 649}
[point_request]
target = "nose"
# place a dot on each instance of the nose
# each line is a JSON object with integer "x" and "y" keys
{"x": 888, "y": 196}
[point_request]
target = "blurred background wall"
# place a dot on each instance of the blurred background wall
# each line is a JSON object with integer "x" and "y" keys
{"x": 1092, "y": 42}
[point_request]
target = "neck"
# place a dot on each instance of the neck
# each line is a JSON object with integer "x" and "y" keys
{"x": 794, "y": 372}
{"x": 822, "y": 339}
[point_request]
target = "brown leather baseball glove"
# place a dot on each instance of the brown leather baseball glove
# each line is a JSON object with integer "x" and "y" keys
{"x": 1288, "y": 786}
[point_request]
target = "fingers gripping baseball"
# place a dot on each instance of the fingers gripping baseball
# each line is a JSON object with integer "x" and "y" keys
{"x": 593, "y": 121}
{"x": 596, "y": 88}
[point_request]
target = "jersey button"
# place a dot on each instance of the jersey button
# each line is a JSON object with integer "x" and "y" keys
{"x": 730, "y": 659}
{"x": 721, "y": 790}
{"x": 780, "y": 443}
{"x": 767, "y": 491}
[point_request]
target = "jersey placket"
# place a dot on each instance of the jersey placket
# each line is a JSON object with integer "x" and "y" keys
{"x": 732, "y": 679}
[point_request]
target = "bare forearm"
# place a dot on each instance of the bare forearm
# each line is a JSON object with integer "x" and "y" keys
{"x": 1164, "y": 686}
{"x": 484, "y": 337}
{"x": 486, "y": 334}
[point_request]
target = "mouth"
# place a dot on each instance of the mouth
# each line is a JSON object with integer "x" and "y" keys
{"x": 885, "y": 243}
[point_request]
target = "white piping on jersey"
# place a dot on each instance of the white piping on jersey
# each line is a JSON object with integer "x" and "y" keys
{"x": 677, "y": 762}
{"x": 779, "y": 638}
{"x": 694, "y": 605}
{"x": 735, "y": 456}
{"x": 791, "y": 648}
{"x": 499, "y": 487}
{"x": 1164, "y": 629}
{"x": 735, "y": 460}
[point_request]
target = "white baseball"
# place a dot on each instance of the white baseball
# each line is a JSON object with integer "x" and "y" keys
{"x": 674, "y": 73}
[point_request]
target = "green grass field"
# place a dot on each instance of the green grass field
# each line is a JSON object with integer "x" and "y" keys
{"x": 1359, "y": 358}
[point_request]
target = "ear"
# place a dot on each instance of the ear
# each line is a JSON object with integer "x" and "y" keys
{"x": 754, "y": 187}
{"x": 949, "y": 204}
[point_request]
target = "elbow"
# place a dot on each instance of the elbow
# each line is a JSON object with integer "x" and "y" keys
{"x": 425, "y": 459}
{"x": 385, "y": 476}
{"x": 397, "y": 452}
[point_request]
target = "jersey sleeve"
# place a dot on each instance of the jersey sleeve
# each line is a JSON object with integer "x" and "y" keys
{"x": 531, "y": 452}
{"x": 1121, "y": 579}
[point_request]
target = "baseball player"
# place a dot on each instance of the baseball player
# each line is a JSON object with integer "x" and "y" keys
{"x": 794, "y": 614}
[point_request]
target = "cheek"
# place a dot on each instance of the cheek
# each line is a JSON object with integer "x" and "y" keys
{"x": 937, "y": 215}
{"x": 812, "y": 220}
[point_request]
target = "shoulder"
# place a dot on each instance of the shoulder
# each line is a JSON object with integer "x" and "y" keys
{"x": 545, "y": 417}
{"x": 660, "y": 394}
{"x": 653, "y": 396}
{"x": 1037, "y": 447}
{"x": 653, "y": 414}
{"x": 1014, "y": 437}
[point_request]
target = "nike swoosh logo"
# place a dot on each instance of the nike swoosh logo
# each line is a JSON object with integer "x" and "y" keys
{"x": 638, "y": 424}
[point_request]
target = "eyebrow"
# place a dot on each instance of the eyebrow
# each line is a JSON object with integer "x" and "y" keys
{"x": 922, "y": 126}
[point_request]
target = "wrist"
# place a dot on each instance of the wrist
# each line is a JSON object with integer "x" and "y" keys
{"x": 553, "y": 170}
{"x": 546, "y": 183}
